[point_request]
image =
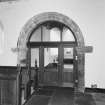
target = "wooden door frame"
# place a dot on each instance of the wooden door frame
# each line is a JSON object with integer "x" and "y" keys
{"x": 75, "y": 70}
{"x": 60, "y": 46}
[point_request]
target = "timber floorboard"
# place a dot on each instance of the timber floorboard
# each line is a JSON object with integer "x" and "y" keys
{"x": 60, "y": 96}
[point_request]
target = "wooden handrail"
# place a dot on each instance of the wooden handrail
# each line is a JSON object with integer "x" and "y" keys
{"x": 28, "y": 84}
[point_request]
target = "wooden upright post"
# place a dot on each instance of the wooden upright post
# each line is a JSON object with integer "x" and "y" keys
{"x": 19, "y": 81}
{"x": 36, "y": 76}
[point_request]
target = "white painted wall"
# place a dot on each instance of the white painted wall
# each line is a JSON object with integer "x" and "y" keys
{"x": 88, "y": 14}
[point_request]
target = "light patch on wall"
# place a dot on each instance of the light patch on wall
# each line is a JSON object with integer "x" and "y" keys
{"x": 1, "y": 38}
{"x": 8, "y": 0}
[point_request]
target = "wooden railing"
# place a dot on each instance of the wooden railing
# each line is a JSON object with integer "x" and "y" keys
{"x": 26, "y": 80}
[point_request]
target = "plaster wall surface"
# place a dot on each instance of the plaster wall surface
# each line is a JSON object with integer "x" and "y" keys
{"x": 88, "y": 14}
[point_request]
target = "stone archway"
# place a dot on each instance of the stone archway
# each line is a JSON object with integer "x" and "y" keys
{"x": 52, "y": 16}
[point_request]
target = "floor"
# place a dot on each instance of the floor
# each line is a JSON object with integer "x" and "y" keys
{"x": 99, "y": 98}
{"x": 65, "y": 96}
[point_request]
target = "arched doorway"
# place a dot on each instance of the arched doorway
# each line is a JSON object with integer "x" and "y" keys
{"x": 60, "y": 60}
{"x": 52, "y": 46}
